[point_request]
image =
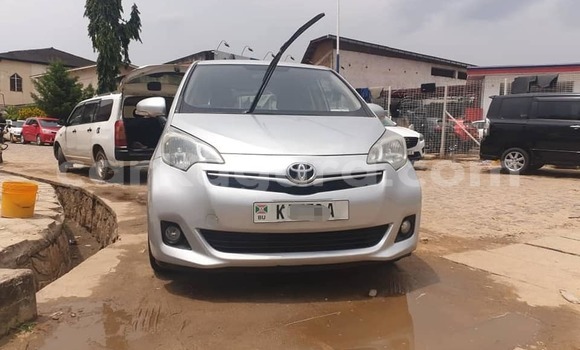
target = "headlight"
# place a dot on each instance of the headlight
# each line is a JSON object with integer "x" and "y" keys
{"x": 390, "y": 149}
{"x": 421, "y": 137}
{"x": 181, "y": 150}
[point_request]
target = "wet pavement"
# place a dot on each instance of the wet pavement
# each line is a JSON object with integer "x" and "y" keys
{"x": 114, "y": 301}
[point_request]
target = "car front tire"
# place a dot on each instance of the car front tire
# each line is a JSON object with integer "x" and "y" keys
{"x": 63, "y": 164}
{"x": 38, "y": 140}
{"x": 515, "y": 161}
{"x": 160, "y": 269}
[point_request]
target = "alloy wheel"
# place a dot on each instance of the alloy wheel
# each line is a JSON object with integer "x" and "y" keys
{"x": 515, "y": 161}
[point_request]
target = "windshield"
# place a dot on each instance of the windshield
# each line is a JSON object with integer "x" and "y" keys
{"x": 387, "y": 122}
{"x": 49, "y": 123}
{"x": 292, "y": 90}
{"x": 17, "y": 124}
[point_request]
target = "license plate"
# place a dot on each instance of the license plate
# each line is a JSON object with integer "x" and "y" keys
{"x": 300, "y": 211}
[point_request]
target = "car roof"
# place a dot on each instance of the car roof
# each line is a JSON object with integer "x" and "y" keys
{"x": 258, "y": 63}
{"x": 540, "y": 94}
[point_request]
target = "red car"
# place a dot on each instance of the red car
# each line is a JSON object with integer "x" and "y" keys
{"x": 40, "y": 130}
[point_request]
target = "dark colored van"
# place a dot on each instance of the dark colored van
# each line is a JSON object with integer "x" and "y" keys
{"x": 527, "y": 131}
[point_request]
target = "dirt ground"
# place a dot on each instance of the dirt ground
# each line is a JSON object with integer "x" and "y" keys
{"x": 425, "y": 301}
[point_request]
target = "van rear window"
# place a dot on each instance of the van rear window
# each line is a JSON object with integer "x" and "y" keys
{"x": 514, "y": 108}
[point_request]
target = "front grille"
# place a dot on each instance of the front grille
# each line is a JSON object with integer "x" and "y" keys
{"x": 237, "y": 242}
{"x": 411, "y": 141}
{"x": 272, "y": 183}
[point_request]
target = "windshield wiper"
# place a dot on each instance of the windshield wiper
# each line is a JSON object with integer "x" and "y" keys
{"x": 276, "y": 59}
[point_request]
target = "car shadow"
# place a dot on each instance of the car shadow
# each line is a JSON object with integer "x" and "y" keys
{"x": 548, "y": 171}
{"x": 304, "y": 285}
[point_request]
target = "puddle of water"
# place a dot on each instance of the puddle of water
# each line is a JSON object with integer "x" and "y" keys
{"x": 420, "y": 305}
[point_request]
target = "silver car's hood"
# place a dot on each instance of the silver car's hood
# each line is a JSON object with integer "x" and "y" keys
{"x": 284, "y": 135}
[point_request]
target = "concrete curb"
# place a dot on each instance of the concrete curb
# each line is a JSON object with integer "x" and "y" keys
{"x": 17, "y": 298}
{"x": 99, "y": 220}
{"x": 18, "y": 287}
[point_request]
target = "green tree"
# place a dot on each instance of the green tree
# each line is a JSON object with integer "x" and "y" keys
{"x": 58, "y": 92}
{"x": 111, "y": 35}
{"x": 89, "y": 92}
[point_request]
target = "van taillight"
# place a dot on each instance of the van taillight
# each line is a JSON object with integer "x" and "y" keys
{"x": 120, "y": 136}
{"x": 486, "y": 127}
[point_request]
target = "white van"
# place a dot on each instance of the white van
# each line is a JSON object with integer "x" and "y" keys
{"x": 105, "y": 133}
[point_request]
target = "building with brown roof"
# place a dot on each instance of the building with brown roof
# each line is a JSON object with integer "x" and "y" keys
{"x": 17, "y": 68}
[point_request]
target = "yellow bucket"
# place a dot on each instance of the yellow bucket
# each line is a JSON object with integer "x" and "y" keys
{"x": 18, "y": 199}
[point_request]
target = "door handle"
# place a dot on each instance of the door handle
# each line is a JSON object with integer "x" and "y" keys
{"x": 74, "y": 131}
{"x": 89, "y": 130}
{"x": 576, "y": 127}
{"x": 98, "y": 130}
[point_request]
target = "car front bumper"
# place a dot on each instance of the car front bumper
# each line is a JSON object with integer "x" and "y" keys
{"x": 191, "y": 201}
{"x": 417, "y": 152}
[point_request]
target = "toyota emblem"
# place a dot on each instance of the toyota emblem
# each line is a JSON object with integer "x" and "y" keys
{"x": 301, "y": 173}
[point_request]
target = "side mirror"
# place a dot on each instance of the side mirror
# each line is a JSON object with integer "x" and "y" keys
{"x": 151, "y": 107}
{"x": 377, "y": 110}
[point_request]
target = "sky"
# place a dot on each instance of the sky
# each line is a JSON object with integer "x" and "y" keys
{"x": 479, "y": 32}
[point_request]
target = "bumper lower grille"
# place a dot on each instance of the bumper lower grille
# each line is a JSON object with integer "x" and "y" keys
{"x": 237, "y": 242}
{"x": 411, "y": 141}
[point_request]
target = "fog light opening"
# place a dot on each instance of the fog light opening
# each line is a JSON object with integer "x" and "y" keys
{"x": 172, "y": 234}
{"x": 406, "y": 229}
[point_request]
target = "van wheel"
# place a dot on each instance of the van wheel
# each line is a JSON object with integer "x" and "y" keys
{"x": 102, "y": 169}
{"x": 515, "y": 161}
{"x": 63, "y": 165}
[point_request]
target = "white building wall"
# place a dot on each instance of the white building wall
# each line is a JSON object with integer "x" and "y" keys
{"x": 364, "y": 70}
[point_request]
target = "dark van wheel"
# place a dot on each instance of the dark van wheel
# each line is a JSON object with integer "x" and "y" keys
{"x": 515, "y": 161}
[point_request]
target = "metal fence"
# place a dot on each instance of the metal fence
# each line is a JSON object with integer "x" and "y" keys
{"x": 449, "y": 117}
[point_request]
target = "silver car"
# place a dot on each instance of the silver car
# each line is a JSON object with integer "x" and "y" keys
{"x": 310, "y": 177}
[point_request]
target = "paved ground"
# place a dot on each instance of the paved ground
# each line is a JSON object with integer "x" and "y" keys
{"x": 113, "y": 301}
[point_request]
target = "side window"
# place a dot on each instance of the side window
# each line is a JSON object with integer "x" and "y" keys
{"x": 494, "y": 109}
{"x": 515, "y": 108}
{"x": 89, "y": 112}
{"x": 75, "y": 117}
{"x": 104, "y": 112}
{"x": 562, "y": 110}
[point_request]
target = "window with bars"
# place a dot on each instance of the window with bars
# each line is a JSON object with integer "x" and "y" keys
{"x": 442, "y": 72}
{"x": 16, "y": 83}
